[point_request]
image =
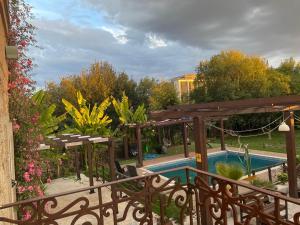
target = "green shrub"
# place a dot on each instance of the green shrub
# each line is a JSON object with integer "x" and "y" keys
{"x": 263, "y": 183}
{"x": 231, "y": 171}
{"x": 282, "y": 178}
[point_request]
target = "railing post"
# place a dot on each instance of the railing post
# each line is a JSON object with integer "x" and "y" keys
{"x": 100, "y": 205}
{"x": 162, "y": 206}
{"x": 90, "y": 164}
{"x": 111, "y": 152}
{"x": 189, "y": 195}
{"x": 77, "y": 164}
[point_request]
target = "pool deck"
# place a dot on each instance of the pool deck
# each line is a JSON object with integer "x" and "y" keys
{"x": 210, "y": 150}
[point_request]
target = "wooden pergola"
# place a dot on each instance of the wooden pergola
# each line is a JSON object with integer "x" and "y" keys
{"x": 208, "y": 111}
{"x": 162, "y": 123}
{"x": 73, "y": 141}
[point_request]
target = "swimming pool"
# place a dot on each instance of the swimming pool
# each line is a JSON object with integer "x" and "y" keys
{"x": 258, "y": 163}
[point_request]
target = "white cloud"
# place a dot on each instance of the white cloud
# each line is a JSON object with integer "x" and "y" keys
{"x": 118, "y": 33}
{"x": 155, "y": 41}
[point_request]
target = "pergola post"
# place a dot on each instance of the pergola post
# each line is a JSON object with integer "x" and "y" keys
{"x": 202, "y": 164}
{"x": 200, "y": 143}
{"x": 90, "y": 165}
{"x": 222, "y": 139}
{"x": 125, "y": 143}
{"x": 185, "y": 144}
{"x": 138, "y": 135}
{"x": 111, "y": 153}
{"x": 291, "y": 155}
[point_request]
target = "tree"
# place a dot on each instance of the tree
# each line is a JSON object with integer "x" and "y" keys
{"x": 163, "y": 95}
{"x": 144, "y": 90}
{"x": 278, "y": 83}
{"x": 97, "y": 83}
{"x": 291, "y": 68}
{"x": 233, "y": 75}
{"x": 124, "y": 84}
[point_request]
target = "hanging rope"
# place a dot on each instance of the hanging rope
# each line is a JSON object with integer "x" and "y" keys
{"x": 296, "y": 117}
{"x": 256, "y": 129}
{"x": 236, "y": 133}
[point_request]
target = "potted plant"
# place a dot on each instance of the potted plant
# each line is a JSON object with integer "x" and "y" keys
{"x": 231, "y": 171}
{"x": 246, "y": 163}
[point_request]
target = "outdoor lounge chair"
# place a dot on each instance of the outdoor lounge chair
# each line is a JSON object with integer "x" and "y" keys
{"x": 122, "y": 173}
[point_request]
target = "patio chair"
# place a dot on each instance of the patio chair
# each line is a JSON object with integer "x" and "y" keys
{"x": 131, "y": 171}
{"x": 120, "y": 172}
{"x": 268, "y": 205}
{"x": 118, "y": 167}
{"x": 166, "y": 142}
{"x": 133, "y": 150}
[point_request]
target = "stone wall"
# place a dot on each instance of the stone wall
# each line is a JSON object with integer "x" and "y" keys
{"x": 7, "y": 193}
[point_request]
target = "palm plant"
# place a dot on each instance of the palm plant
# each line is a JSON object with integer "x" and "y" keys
{"x": 88, "y": 121}
{"x": 127, "y": 115}
{"x": 231, "y": 171}
{"x": 48, "y": 121}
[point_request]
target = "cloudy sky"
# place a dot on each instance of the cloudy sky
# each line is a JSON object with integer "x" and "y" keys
{"x": 161, "y": 38}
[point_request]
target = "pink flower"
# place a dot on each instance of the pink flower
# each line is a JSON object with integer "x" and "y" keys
{"x": 23, "y": 43}
{"x": 26, "y": 215}
{"x": 21, "y": 189}
{"x": 40, "y": 193}
{"x": 16, "y": 127}
{"x": 30, "y": 188}
{"x": 26, "y": 177}
{"x": 48, "y": 180}
{"x": 39, "y": 172}
{"x": 31, "y": 171}
{"x": 31, "y": 165}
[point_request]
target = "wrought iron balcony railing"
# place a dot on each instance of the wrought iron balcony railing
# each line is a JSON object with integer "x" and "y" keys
{"x": 150, "y": 199}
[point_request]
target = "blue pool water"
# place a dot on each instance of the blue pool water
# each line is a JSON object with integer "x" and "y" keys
{"x": 148, "y": 156}
{"x": 257, "y": 163}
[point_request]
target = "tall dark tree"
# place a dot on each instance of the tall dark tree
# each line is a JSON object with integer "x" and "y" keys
{"x": 291, "y": 68}
{"x": 163, "y": 95}
{"x": 144, "y": 90}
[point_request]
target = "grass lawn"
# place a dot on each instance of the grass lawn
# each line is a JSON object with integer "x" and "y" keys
{"x": 275, "y": 144}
